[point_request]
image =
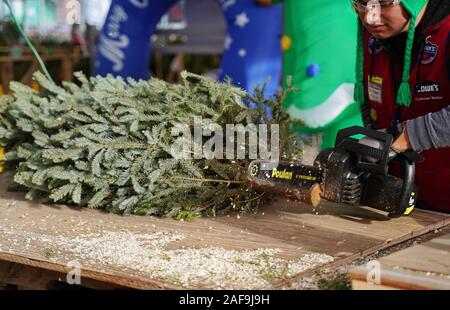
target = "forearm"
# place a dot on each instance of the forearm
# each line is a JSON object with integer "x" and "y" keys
{"x": 430, "y": 131}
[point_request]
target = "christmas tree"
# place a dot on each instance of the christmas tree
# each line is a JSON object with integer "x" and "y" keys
{"x": 106, "y": 143}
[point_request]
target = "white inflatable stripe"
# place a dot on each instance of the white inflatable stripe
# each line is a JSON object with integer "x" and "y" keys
{"x": 327, "y": 111}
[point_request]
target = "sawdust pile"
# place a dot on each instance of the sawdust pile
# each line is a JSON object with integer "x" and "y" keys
{"x": 201, "y": 267}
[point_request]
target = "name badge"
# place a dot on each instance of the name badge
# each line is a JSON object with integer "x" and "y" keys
{"x": 375, "y": 88}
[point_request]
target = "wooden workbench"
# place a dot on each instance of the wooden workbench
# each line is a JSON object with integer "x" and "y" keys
{"x": 30, "y": 259}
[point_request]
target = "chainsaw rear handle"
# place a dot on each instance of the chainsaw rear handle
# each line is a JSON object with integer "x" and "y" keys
{"x": 381, "y": 156}
{"x": 408, "y": 196}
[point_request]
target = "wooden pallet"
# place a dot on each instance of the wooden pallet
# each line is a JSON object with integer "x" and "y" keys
{"x": 423, "y": 266}
{"x": 69, "y": 57}
{"x": 343, "y": 232}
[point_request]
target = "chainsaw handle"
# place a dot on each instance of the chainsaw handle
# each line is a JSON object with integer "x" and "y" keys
{"x": 346, "y": 133}
{"x": 344, "y": 141}
{"x": 411, "y": 156}
{"x": 408, "y": 161}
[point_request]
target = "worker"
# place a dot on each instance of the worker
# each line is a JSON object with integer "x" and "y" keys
{"x": 403, "y": 84}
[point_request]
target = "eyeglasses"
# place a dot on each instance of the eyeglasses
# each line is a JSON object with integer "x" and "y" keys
{"x": 362, "y": 6}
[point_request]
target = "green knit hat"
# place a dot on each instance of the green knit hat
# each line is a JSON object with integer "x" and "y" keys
{"x": 413, "y": 7}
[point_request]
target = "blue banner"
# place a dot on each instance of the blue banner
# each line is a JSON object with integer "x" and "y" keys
{"x": 252, "y": 53}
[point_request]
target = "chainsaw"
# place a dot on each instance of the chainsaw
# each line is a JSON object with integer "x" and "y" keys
{"x": 355, "y": 172}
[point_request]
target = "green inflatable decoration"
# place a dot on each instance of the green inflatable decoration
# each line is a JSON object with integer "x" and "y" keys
{"x": 319, "y": 54}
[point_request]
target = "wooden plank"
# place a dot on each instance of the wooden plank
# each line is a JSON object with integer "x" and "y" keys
{"x": 294, "y": 230}
{"x": 69, "y": 57}
{"x": 424, "y": 266}
{"x": 337, "y": 230}
{"x": 362, "y": 285}
{"x": 41, "y": 50}
{"x": 432, "y": 256}
{"x": 46, "y": 271}
{"x": 35, "y": 278}
{"x": 7, "y": 75}
{"x": 67, "y": 68}
{"x": 28, "y": 75}
{"x": 29, "y": 58}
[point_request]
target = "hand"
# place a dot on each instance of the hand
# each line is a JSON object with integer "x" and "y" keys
{"x": 402, "y": 144}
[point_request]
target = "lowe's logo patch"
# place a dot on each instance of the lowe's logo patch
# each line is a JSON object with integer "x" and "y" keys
{"x": 375, "y": 47}
{"x": 427, "y": 87}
